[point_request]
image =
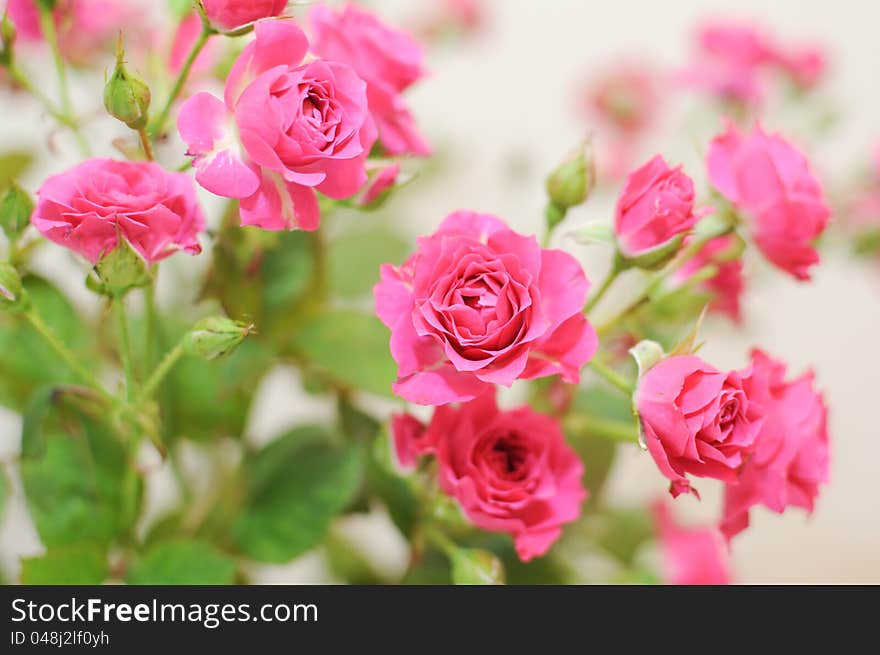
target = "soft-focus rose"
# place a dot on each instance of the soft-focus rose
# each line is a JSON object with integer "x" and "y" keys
{"x": 625, "y": 97}
{"x": 285, "y": 130}
{"x": 87, "y": 207}
{"x": 185, "y": 37}
{"x": 410, "y": 439}
{"x": 655, "y": 208}
{"x": 805, "y": 66}
{"x": 388, "y": 60}
{"x": 726, "y": 284}
{"x": 479, "y": 305}
{"x": 791, "y": 457}
{"x": 697, "y": 420}
{"x": 381, "y": 183}
{"x": 770, "y": 181}
{"x": 691, "y": 556}
{"x": 226, "y": 15}
{"x": 510, "y": 471}
{"x": 85, "y": 27}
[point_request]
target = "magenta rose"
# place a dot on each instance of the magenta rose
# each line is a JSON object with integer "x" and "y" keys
{"x": 479, "y": 305}
{"x": 389, "y": 61}
{"x": 725, "y": 285}
{"x": 89, "y": 206}
{"x": 697, "y": 420}
{"x": 655, "y": 210}
{"x": 410, "y": 439}
{"x": 226, "y": 15}
{"x": 791, "y": 457}
{"x": 510, "y": 471}
{"x": 691, "y": 556}
{"x": 286, "y": 129}
{"x": 770, "y": 181}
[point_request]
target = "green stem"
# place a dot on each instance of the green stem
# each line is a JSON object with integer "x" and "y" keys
{"x": 616, "y": 270}
{"x": 161, "y": 371}
{"x": 69, "y": 358}
{"x": 612, "y": 377}
{"x": 654, "y": 283}
{"x": 145, "y": 144}
{"x": 150, "y": 336}
{"x": 159, "y": 124}
{"x": 604, "y": 428}
{"x": 21, "y": 79}
{"x": 440, "y": 540}
{"x": 125, "y": 347}
{"x": 47, "y": 23}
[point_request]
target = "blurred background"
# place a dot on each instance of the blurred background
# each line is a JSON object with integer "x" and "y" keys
{"x": 504, "y": 104}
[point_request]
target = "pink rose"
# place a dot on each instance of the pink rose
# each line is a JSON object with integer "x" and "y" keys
{"x": 383, "y": 181}
{"x": 691, "y": 556}
{"x": 805, "y": 66}
{"x": 697, "y": 420}
{"x": 626, "y": 97}
{"x": 791, "y": 455}
{"x": 286, "y": 129}
{"x": 388, "y": 60}
{"x": 227, "y": 15}
{"x": 726, "y": 284}
{"x": 86, "y": 207}
{"x": 510, "y": 471}
{"x": 771, "y": 182}
{"x": 479, "y": 305}
{"x": 411, "y": 440}
{"x": 655, "y": 208}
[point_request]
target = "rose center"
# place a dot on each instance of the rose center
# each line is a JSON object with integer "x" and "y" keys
{"x": 507, "y": 457}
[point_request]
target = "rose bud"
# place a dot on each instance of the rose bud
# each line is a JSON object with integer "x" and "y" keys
{"x": 791, "y": 454}
{"x": 13, "y": 297}
{"x": 229, "y": 15}
{"x": 215, "y": 337}
{"x": 126, "y": 95}
{"x": 410, "y": 439}
{"x": 15, "y": 211}
{"x": 654, "y": 213}
{"x": 697, "y": 420}
{"x": 573, "y": 180}
{"x": 770, "y": 182}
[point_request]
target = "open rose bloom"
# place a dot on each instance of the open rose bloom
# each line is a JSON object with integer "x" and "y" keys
{"x": 228, "y": 15}
{"x": 479, "y": 305}
{"x": 284, "y": 130}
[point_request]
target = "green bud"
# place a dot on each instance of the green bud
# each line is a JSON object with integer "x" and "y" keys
{"x": 121, "y": 269}
{"x": 473, "y": 566}
{"x": 657, "y": 257}
{"x": 215, "y": 337}
{"x": 13, "y": 297}
{"x": 554, "y": 214}
{"x": 126, "y": 95}
{"x": 16, "y": 208}
{"x": 573, "y": 180}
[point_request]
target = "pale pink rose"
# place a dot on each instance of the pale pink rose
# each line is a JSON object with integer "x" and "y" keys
{"x": 771, "y": 182}
{"x": 87, "y": 207}
{"x": 479, "y": 305}
{"x": 625, "y": 97}
{"x": 691, "y": 556}
{"x": 510, "y": 471}
{"x": 286, "y": 129}
{"x": 227, "y": 15}
{"x": 805, "y": 66}
{"x": 697, "y": 420}
{"x": 185, "y": 37}
{"x": 655, "y": 207}
{"x": 85, "y": 27}
{"x": 388, "y": 60}
{"x": 409, "y": 437}
{"x": 381, "y": 183}
{"x": 726, "y": 285}
{"x": 791, "y": 457}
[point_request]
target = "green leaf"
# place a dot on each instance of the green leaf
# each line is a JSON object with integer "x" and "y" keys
{"x": 354, "y": 259}
{"x": 33, "y": 441}
{"x": 182, "y": 562}
{"x": 12, "y": 165}
{"x": 72, "y": 565}
{"x": 346, "y": 562}
{"x": 27, "y": 362}
{"x": 472, "y": 566}
{"x": 295, "y": 489}
{"x": 623, "y": 531}
{"x": 74, "y": 491}
{"x": 349, "y": 347}
{"x": 596, "y": 232}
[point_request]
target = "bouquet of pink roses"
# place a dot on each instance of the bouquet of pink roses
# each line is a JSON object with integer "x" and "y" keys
{"x": 272, "y": 139}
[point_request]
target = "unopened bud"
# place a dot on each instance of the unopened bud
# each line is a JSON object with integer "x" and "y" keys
{"x": 126, "y": 95}
{"x": 215, "y": 337}
{"x": 573, "y": 180}
{"x": 16, "y": 208}
{"x": 121, "y": 269}
{"x": 13, "y": 297}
